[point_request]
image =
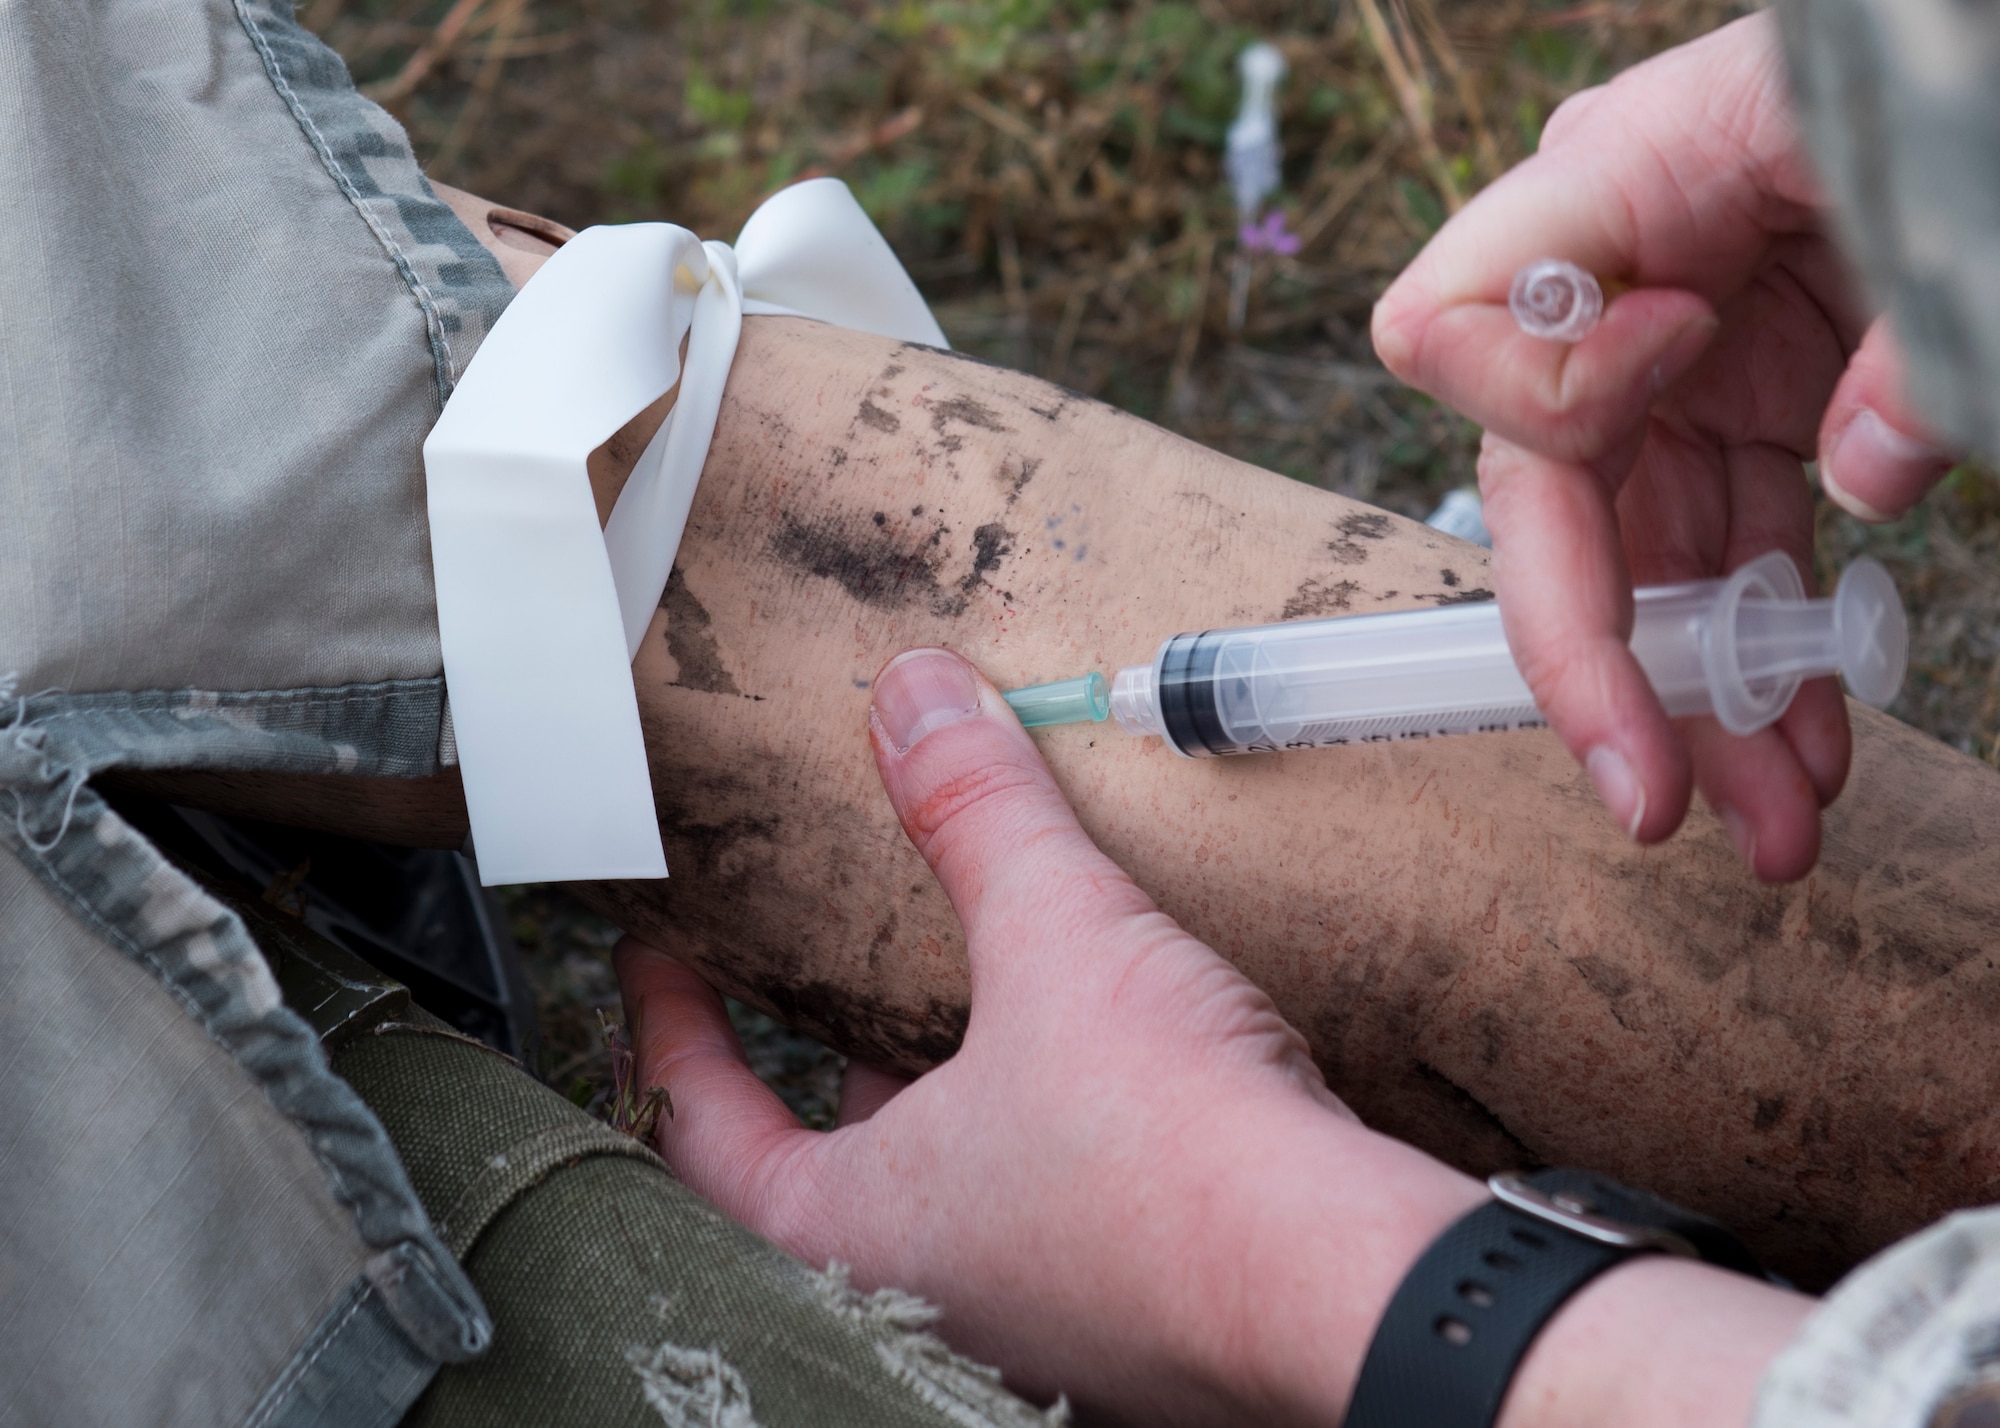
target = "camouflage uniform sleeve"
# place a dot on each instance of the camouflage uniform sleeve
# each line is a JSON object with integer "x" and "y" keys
{"x": 1899, "y": 104}
{"x": 1909, "y": 1340}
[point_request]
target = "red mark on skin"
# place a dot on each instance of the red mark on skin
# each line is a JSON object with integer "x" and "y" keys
{"x": 1422, "y": 786}
{"x": 955, "y": 795}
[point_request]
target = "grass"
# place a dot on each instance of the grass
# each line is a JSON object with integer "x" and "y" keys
{"x": 1050, "y": 171}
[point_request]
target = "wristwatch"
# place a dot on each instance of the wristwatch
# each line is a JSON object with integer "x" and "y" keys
{"x": 1463, "y": 1317}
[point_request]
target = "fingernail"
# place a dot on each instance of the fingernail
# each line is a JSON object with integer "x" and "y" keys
{"x": 919, "y": 692}
{"x": 1740, "y": 833}
{"x": 1682, "y": 353}
{"x": 1618, "y": 786}
{"x": 1870, "y": 443}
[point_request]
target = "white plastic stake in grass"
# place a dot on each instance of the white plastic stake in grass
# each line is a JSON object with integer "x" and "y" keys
{"x": 1252, "y": 161}
{"x": 1253, "y": 153}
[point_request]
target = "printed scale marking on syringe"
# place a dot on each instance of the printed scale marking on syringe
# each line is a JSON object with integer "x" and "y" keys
{"x": 1409, "y": 726}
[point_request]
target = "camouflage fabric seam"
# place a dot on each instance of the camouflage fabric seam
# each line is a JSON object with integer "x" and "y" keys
{"x": 456, "y": 283}
{"x": 120, "y": 886}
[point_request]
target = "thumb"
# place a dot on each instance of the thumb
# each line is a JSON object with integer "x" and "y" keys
{"x": 1876, "y": 459}
{"x": 976, "y": 799}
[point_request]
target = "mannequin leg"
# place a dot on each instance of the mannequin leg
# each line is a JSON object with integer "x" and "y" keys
{"x": 1482, "y": 962}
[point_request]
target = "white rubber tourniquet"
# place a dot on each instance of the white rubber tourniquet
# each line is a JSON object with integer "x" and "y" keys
{"x": 539, "y": 611}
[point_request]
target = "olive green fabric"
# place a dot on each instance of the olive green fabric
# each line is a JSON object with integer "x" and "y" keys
{"x": 618, "y": 1296}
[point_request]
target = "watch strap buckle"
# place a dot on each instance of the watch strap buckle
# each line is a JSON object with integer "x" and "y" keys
{"x": 1577, "y": 1213}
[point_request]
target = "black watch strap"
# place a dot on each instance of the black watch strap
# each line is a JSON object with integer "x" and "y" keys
{"x": 1463, "y": 1317}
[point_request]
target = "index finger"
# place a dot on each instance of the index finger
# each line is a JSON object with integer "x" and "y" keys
{"x": 1674, "y": 178}
{"x": 1566, "y": 603}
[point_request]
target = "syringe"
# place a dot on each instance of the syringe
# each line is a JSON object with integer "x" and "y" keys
{"x": 1736, "y": 648}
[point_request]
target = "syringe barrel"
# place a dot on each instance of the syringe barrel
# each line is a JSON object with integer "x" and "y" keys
{"x": 1736, "y": 648}
{"x": 1363, "y": 679}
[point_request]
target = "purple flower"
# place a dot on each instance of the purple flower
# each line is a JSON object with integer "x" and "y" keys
{"x": 1269, "y": 236}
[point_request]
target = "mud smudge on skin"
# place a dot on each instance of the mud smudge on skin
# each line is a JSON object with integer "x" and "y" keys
{"x": 1053, "y": 400}
{"x": 876, "y": 571}
{"x": 1459, "y": 597}
{"x": 1450, "y": 578}
{"x": 868, "y": 414}
{"x": 708, "y": 839}
{"x": 990, "y": 543}
{"x": 883, "y": 566}
{"x": 967, "y": 411}
{"x": 884, "y": 938}
{"x": 924, "y": 349}
{"x": 1220, "y": 514}
{"x": 690, "y": 641}
{"x": 1320, "y": 597}
{"x": 1354, "y": 529}
{"x": 1015, "y": 473}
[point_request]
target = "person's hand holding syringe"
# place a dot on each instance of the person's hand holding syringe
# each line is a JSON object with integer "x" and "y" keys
{"x": 1667, "y": 444}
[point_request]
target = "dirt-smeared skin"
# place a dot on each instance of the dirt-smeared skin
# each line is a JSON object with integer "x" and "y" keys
{"x": 1483, "y": 964}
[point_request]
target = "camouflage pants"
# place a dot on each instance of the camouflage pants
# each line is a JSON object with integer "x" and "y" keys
{"x": 617, "y": 1296}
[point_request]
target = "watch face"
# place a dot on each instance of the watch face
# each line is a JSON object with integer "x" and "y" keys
{"x": 1975, "y": 1407}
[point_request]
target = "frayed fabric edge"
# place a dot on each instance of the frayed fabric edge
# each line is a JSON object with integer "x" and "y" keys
{"x": 967, "y": 1393}
{"x": 692, "y": 1388}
